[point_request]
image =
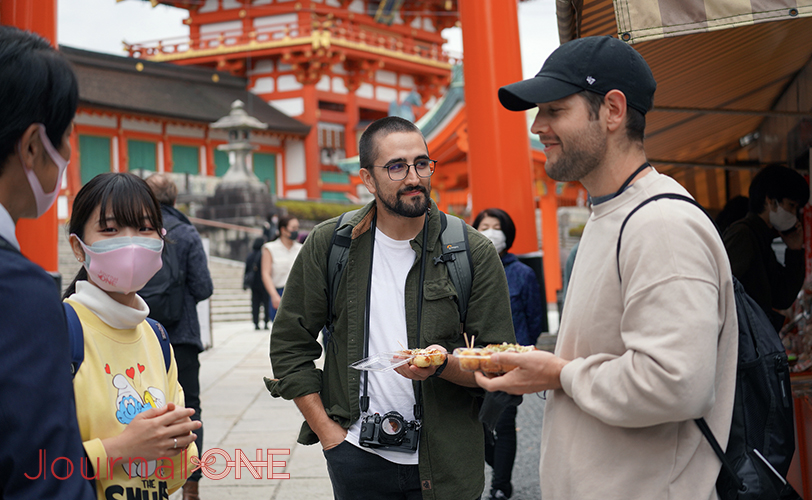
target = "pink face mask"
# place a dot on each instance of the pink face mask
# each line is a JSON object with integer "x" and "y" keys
{"x": 45, "y": 200}
{"x": 123, "y": 264}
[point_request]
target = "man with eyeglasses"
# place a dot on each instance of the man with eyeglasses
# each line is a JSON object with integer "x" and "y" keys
{"x": 393, "y": 288}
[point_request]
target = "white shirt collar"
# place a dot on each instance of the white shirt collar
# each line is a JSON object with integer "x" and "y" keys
{"x": 7, "y": 229}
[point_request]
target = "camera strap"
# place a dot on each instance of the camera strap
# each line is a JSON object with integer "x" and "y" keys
{"x": 364, "y": 400}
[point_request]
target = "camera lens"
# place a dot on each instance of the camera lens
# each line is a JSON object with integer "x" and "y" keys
{"x": 392, "y": 425}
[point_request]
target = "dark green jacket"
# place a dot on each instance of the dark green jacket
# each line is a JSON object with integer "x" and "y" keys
{"x": 451, "y": 450}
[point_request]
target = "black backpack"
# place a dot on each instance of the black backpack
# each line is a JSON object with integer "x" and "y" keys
{"x": 164, "y": 292}
{"x": 456, "y": 255}
{"x": 762, "y": 435}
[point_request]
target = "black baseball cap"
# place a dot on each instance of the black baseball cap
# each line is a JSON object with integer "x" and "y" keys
{"x": 597, "y": 64}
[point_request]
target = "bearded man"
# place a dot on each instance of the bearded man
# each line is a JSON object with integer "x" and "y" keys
{"x": 648, "y": 335}
{"x": 394, "y": 291}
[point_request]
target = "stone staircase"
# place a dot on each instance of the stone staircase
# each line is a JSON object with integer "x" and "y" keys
{"x": 228, "y": 303}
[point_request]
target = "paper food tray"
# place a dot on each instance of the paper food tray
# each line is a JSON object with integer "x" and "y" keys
{"x": 382, "y": 362}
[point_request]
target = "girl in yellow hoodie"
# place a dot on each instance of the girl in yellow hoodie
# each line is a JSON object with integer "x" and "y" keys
{"x": 135, "y": 428}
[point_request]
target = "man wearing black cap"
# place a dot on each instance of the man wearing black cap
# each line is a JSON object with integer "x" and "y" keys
{"x": 647, "y": 341}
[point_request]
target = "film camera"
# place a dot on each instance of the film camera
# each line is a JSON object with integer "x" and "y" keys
{"x": 390, "y": 431}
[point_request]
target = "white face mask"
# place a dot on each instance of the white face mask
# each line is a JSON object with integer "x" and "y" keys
{"x": 497, "y": 237}
{"x": 782, "y": 220}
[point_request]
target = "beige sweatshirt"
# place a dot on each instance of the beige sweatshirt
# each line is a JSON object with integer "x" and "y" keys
{"x": 648, "y": 356}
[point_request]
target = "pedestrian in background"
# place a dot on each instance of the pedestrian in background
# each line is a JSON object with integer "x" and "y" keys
{"x": 525, "y": 307}
{"x": 185, "y": 334}
{"x": 734, "y": 210}
{"x": 277, "y": 259}
{"x": 252, "y": 280}
{"x": 38, "y": 98}
{"x": 777, "y": 195}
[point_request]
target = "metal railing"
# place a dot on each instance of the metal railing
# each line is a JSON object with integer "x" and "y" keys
{"x": 318, "y": 34}
{"x": 225, "y": 225}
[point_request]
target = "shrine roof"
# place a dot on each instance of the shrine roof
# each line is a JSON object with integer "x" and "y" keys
{"x": 169, "y": 90}
{"x": 434, "y": 122}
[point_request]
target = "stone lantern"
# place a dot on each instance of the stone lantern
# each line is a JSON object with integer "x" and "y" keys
{"x": 239, "y": 124}
{"x": 240, "y": 199}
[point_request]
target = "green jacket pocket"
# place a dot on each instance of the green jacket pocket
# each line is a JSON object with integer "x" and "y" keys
{"x": 441, "y": 316}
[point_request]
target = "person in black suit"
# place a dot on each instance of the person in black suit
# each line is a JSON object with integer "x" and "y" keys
{"x": 38, "y": 427}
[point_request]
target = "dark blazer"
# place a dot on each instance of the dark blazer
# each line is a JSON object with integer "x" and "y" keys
{"x": 37, "y": 408}
{"x": 198, "y": 279}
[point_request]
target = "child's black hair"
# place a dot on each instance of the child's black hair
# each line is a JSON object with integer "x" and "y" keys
{"x": 126, "y": 195}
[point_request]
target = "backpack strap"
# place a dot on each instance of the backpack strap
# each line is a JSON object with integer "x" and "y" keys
{"x": 76, "y": 338}
{"x": 457, "y": 257}
{"x": 671, "y": 196}
{"x": 163, "y": 339}
{"x": 700, "y": 422}
{"x": 336, "y": 260}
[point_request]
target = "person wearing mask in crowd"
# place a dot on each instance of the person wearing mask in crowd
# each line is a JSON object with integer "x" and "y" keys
{"x": 648, "y": 338}
{"x": 394, "y": 291}
{"x": 270, "y": 228}
{"x": 185, "y": 333}
{"x": 777, "y": 195}
{"x": 277, "y": 259}
{"x": 130, "y": 406}
{"x": 525, "y": 307}
{"x": 252, "y": 279}
{"x": 734, "y": 210}
{"x": 39, "y": 94}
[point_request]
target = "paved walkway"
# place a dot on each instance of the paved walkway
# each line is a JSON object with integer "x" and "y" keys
{"x": 239, "y": 414}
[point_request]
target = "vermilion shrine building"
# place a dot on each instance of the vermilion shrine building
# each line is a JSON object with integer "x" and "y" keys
{"x": 326, "y": 67}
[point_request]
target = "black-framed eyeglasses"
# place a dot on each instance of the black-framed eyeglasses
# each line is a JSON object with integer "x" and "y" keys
{"x": 400, "y": 170}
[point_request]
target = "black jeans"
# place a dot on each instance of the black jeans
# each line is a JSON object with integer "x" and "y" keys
{"x": 502, "y": 453}
{"x": 260, "y": 298}
{"x": 361, "y": 475}
{"x": 189, "y": 380}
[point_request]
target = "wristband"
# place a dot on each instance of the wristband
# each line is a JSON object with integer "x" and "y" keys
{"x": 440, "y": 368}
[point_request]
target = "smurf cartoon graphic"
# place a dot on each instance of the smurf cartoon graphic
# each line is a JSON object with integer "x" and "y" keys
{"x": 129, "y": 404}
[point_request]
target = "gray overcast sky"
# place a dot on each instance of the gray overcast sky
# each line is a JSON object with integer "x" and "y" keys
{"x": 101, "y": 25}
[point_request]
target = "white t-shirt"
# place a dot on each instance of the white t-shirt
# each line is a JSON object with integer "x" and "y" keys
{"x": 388, "y": 391}
{"x": 283, "y": 259}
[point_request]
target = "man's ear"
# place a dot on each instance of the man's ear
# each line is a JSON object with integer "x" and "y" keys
{"x": 30, "y": 146}
{"x": 78, "y": 251}
{"x": 368, "y": 180}
{"x": 614, "y": 103}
